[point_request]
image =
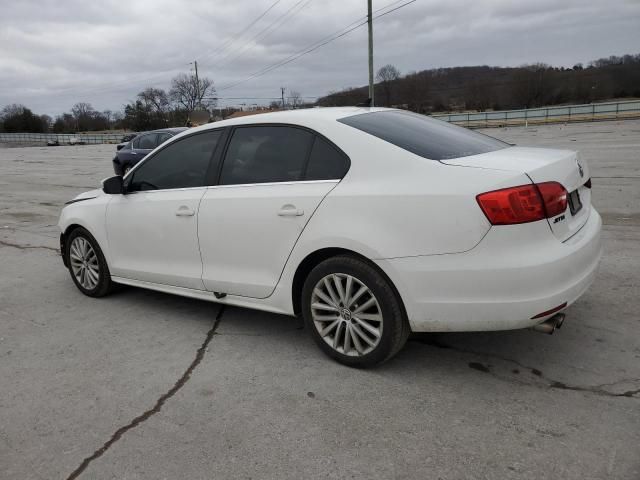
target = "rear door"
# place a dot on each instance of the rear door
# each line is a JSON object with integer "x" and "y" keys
{"x": 272, "y": 180}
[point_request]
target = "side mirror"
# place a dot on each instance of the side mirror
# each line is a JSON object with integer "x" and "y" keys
{"x": 113, "y": 185}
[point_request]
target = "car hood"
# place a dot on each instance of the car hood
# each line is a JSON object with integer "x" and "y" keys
{"x": 88, "y": 195}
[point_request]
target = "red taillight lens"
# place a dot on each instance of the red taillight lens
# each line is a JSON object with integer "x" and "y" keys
{"x": 512, "y": 205}
{"x": 523, "y": 204}
{"x": 554, "y": 197}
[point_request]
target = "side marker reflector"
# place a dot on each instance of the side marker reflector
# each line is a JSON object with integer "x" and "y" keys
{"x": 549, "y": 312}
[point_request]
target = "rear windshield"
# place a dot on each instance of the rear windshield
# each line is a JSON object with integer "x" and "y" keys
{"x": 424, "y": 136}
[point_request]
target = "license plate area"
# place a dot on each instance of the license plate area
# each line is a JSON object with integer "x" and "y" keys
{"x": 575, "y": 204}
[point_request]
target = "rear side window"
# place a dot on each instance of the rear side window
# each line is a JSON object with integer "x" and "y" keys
{"x": 424, "y": 136}
{"x": 182, "y": 164}
{"x": 145, "y": 142}
{"x": 265, "y": 154}
{"x": 326, "y": 162}
{"x": 162, "y": 137}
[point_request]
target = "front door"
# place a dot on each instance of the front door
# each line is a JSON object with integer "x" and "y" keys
{"x": 152, "y": 230}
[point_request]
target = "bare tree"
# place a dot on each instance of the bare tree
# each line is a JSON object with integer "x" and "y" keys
{"x": 192, "y": 93}
{"x": 155, "y": 98}
{"x": 108, "y": 116}
{"x": 156, "y": 102}
{"x": 386, "y": 76}
{"x": 531, "y": 84}
{"x": 81, "y": 109}
{"x": 12, "y": 110}
{"x": 82, "y": 113}
{"x": 47, "y": 121}
{"x": 294, "y": 99}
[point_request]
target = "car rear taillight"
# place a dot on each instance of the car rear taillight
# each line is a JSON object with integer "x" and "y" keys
{"x": 523, "y": 204}
{"x": 554, "y": 197}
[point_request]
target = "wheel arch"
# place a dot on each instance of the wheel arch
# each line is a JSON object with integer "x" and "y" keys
{"x": 63, "y": 240}
{"x": 318, "y": 256}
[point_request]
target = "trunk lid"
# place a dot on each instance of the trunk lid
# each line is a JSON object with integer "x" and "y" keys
{"x": 544, "y": 165}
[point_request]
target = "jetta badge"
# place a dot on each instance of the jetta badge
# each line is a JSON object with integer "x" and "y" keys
{"x": 580, "y": 169}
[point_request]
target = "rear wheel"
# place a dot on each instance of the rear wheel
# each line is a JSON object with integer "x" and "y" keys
{"x": 353, "y": 313}
{"x": 87, "y": 265}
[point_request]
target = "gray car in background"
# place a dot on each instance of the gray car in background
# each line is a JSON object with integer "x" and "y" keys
{"x": 138, "y": 148}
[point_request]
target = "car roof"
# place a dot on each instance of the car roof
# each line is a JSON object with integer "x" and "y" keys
{"x": 169, "y": 130}
{"x": 304, "y": 116}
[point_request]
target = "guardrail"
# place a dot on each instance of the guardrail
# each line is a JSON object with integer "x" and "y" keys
{"x": 535, "y": 116}
{"x": 62, "y": 138}
{"x": 531, "y": 116}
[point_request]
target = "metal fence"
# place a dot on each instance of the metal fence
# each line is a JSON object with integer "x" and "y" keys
{"x": 535, "y": 116}
{"x": 61, "y": 138}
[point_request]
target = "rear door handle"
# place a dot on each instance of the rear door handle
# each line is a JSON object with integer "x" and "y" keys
{"x": 185, "y": 211}
{"x": 290, "y": 211}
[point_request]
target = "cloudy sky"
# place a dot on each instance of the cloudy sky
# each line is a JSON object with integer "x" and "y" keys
{"x": 54, "y": 53}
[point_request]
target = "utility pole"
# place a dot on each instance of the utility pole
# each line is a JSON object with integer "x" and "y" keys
{"x": 195, "y": 65}
{"x": 370, "y": 26}
{"x": 282, "y": 91}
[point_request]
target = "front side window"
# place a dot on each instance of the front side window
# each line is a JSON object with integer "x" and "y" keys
{"x": 183, "y": 164}
{"x": 424, "y": 136}
{"x": 264, "y": 154}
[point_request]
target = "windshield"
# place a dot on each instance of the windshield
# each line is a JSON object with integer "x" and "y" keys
{"x": 424, "y": 136}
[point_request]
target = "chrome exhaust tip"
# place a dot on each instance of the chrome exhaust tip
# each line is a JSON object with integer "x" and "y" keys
{"x": 550, "y": 326}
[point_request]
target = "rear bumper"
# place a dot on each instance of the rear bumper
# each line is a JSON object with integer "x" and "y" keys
{"x": 515, "y": 273}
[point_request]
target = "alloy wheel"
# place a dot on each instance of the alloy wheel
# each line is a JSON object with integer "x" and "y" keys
{"x": 84, "y": 263}
{"x": 346, "y": 314}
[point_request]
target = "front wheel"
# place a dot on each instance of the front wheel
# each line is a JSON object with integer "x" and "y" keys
{"x": 353, "y": 312}
{"x": 87, "y": 265}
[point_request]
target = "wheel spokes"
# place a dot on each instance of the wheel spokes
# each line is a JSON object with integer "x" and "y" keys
{"x": 324, "y": 306}
{"x": 351, "y": 323}
{"x": 84, "y": 263}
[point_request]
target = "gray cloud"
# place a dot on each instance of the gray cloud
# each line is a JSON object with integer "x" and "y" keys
{"x": 54, "y": 53}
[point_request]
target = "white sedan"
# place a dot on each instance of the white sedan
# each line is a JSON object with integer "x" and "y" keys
{"x": 370, "y": 223}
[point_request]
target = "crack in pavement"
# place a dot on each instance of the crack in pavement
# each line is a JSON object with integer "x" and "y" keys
{"x": 158, "y": 405}
{"x": 552, "y": 384}
{"x": 26, "y": 247}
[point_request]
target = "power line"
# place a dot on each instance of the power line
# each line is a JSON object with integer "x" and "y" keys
{"x": 231, "y": 40}
{"x": 114, "y": 86}
{"x": 273, "y": 26}
{"x": 129, "y": 81}
{"x": 312, "y": 47}
{"x": 259, "y": 36}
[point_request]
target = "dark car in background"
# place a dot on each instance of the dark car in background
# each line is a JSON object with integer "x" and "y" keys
{"x": 138, "y": 148}
{"x": 126, "y": 139}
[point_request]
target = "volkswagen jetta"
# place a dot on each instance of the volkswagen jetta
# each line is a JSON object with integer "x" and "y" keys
{"x": 370, "y": 223}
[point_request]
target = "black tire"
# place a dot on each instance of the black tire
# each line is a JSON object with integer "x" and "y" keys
{"x": 395, "y": 327}
{"x": 104, "y": 284}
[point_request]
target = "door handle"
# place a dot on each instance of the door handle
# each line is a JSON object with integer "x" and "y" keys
{"x": 290, "y": 211}
{"x": 185, "y": 211}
